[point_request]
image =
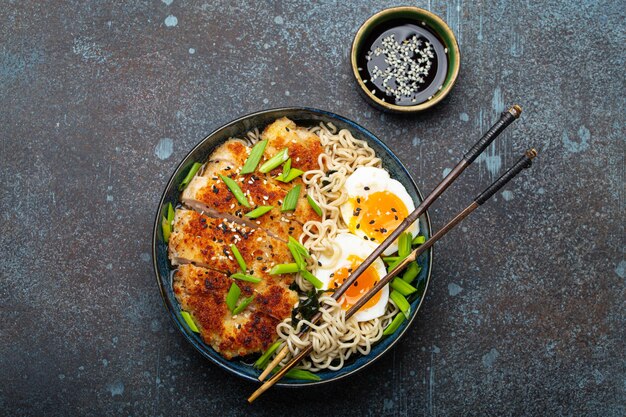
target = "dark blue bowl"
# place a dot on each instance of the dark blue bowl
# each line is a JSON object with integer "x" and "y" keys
{"x": 236, "y": 128}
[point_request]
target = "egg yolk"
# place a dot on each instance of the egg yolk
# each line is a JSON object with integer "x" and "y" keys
{"x": 363, "y": 283}
{"x": 377, "y": 215}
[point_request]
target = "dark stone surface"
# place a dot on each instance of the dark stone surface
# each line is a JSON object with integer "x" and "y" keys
{"x": 99, "y": 102}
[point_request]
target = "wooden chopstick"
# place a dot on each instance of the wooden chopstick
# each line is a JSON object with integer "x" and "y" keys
{"x": 506, "y": 118}
{"x": 524, "y": 162}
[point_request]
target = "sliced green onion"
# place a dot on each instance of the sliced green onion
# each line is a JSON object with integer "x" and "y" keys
{"x": 390, "y": 259}
{"x": 243, "y": 305}
{"x": 194, "y": 169}
{"x": 284, "y": 269}
{"x": 286, "y": 168}
{"x": 166, "y": 225}
{"x": 297, "y": 256}
{"x": 311, "y": 278}
{"x": 233, "y": 295}
{"x": 419, "y": 240}
{"x": 254, "y": 158}
{"x": 303, "y": 251}
{"x": 411, "y": 272}
{"x": 170, "y": 212}
{"x": 302, "y": 375}
{"x": 395, "y": 263}
{"x": 293, "y": 174}
{"x": 314, "y": 205}
{"x": 404, "y": 245}
{"x": 247, "y": 278}
{"x": 258, "y": 212}
{"x": 190, "y": 323}
{"x": 393, "y": 326}
{"x": 275, "y": 161}
{"x": 402, "y": 286}
{"x": 291, "y": 199}
{"x": 238, "y": 257}
{"x": 234, "y": 188}
{"x": 401, "y": 302}
{"x": 262, "y": 362}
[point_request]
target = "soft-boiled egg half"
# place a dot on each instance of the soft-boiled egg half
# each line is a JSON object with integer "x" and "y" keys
{"x": 376, "y": 205}
{"x": 353, "y": 251}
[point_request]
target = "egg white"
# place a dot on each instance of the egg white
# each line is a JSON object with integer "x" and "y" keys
{"x": 367, "y": 180}
{"x": 348, "y": 244}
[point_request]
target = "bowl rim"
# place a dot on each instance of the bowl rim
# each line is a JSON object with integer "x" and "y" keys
{"x": 358, "y": 38}
{"x": 172, "y": 310}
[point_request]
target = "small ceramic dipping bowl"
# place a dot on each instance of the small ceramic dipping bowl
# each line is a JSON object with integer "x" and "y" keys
{"x": 398, "y": 21}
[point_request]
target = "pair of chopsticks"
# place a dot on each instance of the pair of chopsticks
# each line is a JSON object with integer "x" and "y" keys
{"x": 525, "y": 161}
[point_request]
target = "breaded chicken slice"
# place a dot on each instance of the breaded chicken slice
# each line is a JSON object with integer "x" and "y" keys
{"x": 271, "y": 296}
{"x": 209, "y": 193}
{"x": 202, "y": 293}
{"x": 304, "y": 147}
{"x": 205, "y": 241}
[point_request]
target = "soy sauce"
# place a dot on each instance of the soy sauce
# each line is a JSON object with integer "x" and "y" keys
{"x": 404, "y": 63}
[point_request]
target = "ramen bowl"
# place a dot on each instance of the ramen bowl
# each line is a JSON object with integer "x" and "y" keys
{"x": 237, "y": 128}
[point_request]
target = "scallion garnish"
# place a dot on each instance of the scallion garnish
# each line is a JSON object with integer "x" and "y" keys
{"x": 393, "y": 326}
{"x": 166, "y": 222}
{"x": 286, "y": 168}
{"x": 297, "y": 256}
{"x": 314, "y": 205}
{"x": 303, "y": 251}
{"x": 401, "y": 302}
{"x": 247, "y": 278}
{"x": 234, "y": 188}
{"x": 404, "y": 245}
{"x": 402, "y": 286}
{"x": 189, "y": 320}
{"x": 291, "y": 199}
{"x": 390, "y": 259}
{"x": 259, "y": 211}
{"x": 192, "y": 171}
{"x": 275, "y": 161}
{"x": 395, "y": 263}
{"x": 302, "y": 375}
{"x": 311, "y": 278}
{"x": 167, "y": 229}
{"x": 284, "y": 269}
{"x": 262, "y": 362}
{"x": 293, "y": 174}
{"x": 254, "y": 158}
{"x": 232, "y": 296}
{"x": 419, "y": 240}
{"x": 170, "y": 212}
{"x": 243, "y": 305}
{"x": 411, "y": 272}
{"x": 238, "y": 257}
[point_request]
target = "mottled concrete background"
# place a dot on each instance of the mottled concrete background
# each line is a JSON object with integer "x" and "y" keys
{"x": 100, "y": 100}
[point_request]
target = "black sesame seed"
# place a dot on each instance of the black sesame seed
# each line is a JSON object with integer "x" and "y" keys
{"x": 259, "y": 258}
{"x": 394, "y": 210}
{"x": 358, "y": 200}
{"x": 358, "y": 226}
{"x": 319, "y": 263}
{"x": 366, "y": 188}
{"x": 227, "y": 168}
{"x": 395, "y": 217}
{"x": 372, "y": 221}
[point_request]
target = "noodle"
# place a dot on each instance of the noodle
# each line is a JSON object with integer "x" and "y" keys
{"x": 334, "y": 339}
